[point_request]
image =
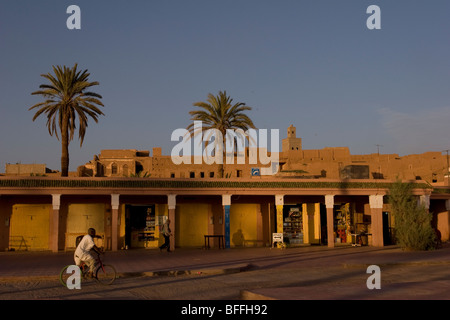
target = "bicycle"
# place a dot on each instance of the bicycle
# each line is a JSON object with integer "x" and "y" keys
{"x": 104, "y": 273}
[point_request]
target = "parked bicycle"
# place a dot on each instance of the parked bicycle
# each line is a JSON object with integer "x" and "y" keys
{"x": 104, "y": 273}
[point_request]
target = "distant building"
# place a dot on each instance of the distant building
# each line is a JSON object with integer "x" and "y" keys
{"x": 321, "y": 197}
{"x": 20, "y": 169}
{"x": 294, "y": 161}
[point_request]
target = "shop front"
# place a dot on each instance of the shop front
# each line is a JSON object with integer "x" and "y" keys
{"x": 81, "y": 217}
{"x": 29, "y": 225}
{"x": 293, "y": 233}
{"x": 141, "y": 221}
{"x": 350, "y": 226}
{"x": 46, "y": 214}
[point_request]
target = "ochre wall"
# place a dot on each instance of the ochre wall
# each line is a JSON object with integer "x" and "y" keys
{"x": 311, "y": 223}
{"x": 81, "y": 217}
{"x": 29, "y": 227}
{"x": 243, "y": 223}
{"x": 191, "y": 224}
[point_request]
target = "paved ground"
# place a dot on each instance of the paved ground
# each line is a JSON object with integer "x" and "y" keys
{"x": 302, "y": 273}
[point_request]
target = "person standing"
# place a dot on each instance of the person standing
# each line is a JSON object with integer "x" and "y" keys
{"x": 166, "y": 232}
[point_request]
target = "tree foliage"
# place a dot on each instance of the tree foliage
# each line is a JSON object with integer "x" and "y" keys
{"x": 68, "y": 100}
{"x": 221, "y": 113}
{"x": 413, "y": 228}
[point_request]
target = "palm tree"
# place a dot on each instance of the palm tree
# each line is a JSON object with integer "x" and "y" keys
{"x": 67, "y": 97}
{"x": 220, "y": 113}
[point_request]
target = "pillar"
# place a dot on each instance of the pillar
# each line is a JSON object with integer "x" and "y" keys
{"x": 114, "y": 221}
{"x": 443, "y": 222}
{"x": 279, "y": 202}
{"x": 311, "y": 222}
{"x": 54, "y": 223}
{"x": 171, "y": 205}
{"x": 5, "y": 219}
{"x": 226, "y": 203}
{"x": 259, "y": 225}
{"x": 329, "y": 204}
{"x": 376, "y": 212}
{"x": 425, "y": 201}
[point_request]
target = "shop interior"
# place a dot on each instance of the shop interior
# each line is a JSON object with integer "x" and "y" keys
{"x": 140, "y": 226}
{"x": 349, "y": 226}
{"x": 293, "y": 224}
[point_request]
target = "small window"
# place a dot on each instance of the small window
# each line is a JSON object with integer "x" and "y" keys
{"x": 211, "y": 174}
{"x": 239, "y": 173}
{"x": 114, "y": 168}
{"x": 191, "y": 174}
{"x": 202, "y": 174}
{"x": 172, "y": 175}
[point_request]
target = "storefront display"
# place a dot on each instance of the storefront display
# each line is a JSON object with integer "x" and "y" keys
{"x": 293, "y": 227}
{"x": 351, "y": 227}
{"x": 141, "y": 226}
{"x": 343, "y": 224}
{"x": 148, "y": 234}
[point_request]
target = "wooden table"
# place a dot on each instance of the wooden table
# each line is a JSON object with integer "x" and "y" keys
{"x": 219, "y": 236}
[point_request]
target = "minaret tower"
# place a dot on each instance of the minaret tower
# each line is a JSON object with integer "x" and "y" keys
{"x": 291, "y": 143}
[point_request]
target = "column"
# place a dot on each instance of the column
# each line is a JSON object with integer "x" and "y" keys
{"x": 376, "y": 212}
{"x": 329, "y": 204}
{"x": 171, "y": 205}
{"x": 444, "y": 222}
{"x": 259, "y": 226}
{"x": 5, "y": 214}
{"x": 279, "y": 202}
{"x": 114, "y": 221}
{"x": 54, "y": 223}
{"x": 226, "y": 203}
{"x": 425, "y": 201}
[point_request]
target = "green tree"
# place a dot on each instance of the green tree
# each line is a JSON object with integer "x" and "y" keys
{"x": 413, "y": 228}
{"x": 219, "y": 112}
{"x": 67, "y": 99}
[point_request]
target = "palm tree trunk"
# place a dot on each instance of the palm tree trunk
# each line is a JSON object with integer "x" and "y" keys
{"x": 65, "y": 148}
{"x": 221, "y": 173}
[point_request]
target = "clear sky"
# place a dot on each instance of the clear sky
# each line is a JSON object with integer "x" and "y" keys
{"x": 310, "y": 63}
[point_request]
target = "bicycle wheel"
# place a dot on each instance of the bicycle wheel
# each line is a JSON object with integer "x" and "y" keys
{"x": 105, "y": 274}
{"x": 64, "y": 276}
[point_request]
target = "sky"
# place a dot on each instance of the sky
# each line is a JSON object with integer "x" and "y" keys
{"x": 313, "y": 64}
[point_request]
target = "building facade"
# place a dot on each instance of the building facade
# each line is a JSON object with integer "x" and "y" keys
{"x": 43, "y": 213}
{"x": 322, "y": 197}
{"x": 294, "y": 162}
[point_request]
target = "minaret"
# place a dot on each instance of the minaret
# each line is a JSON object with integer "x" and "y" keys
{"x": 291, "y": 143}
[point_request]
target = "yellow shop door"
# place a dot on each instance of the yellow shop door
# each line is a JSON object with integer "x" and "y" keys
{"x": 29, "y": 227}
{"x": 80, "y": 218}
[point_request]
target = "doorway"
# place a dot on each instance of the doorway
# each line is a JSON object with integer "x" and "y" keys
{"x": 29, "y": 227}
{"x": 388, "y": 238}
{"x": 323, "y": 225}
{"x": 139, "y": 225}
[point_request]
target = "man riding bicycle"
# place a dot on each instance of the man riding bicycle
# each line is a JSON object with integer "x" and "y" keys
{"x": 82, "y": 252}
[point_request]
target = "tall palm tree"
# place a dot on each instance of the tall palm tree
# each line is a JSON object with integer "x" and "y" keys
{"x": 66, "y": 97}
{"x": 219, "y": 112}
